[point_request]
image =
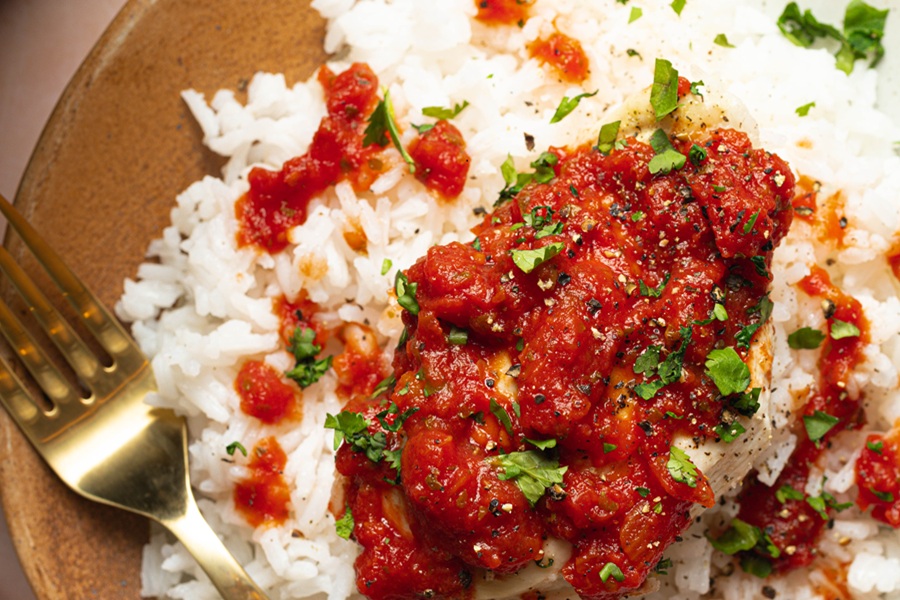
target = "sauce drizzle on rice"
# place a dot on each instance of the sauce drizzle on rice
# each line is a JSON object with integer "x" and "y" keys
{"x": 564, "y": 54}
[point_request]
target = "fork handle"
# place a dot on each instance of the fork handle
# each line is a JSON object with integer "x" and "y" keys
{"x": 204, "y": 545}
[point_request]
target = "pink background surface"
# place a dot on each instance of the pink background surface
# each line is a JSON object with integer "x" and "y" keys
{"x": 42, "y": 43}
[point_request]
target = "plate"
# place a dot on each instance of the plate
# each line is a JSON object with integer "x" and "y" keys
{"x": 118, "y": 147}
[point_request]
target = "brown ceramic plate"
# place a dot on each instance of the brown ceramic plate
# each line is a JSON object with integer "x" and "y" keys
{"x": 117, "y": 149}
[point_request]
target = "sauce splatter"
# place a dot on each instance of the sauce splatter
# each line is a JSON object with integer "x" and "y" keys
{"x": 278, "y": 200}
{"x": 264, "y": 395}
{"x": 564, "y": 54}
{"x": 441, "y": 159}
{"x": 264, "y": 497}
{"x": 793, "y": 521}
{"x": 503, "y": 12}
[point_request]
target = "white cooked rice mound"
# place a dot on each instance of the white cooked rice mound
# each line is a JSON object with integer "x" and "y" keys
{"x": 201, "y": 306}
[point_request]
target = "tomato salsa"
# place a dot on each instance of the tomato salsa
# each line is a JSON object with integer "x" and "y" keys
{"x": 547, "y": 367}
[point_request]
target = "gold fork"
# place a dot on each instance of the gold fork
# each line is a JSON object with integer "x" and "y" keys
{"x": 109, "y": 446}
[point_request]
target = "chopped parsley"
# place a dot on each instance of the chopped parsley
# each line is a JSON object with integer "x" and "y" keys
{"x": 386, "y": 265}
{"x": 607, "y": 139}
{"x": 818, "y": 424}
{"x": 745, "y": 335}
{"x": 532, "y": 472}
{"x": 307, "y": 369}
{"x": 740, "y": 536}
{"x": 383, "y": 129}
{"x": 722, "y": 40}
{"x": 883, "y": 496}
{"x": 669, "y": 370}
{"x": 802, "y": 111}
{"x": 863, "y": 30}
{"x": 729, "y": 432}
{"x": 697, "y": 154}
{"x": 543, "y": 173}
{"x": 806, "y": 338}
{"x": 439, "y": 112}
{"x": 344, "y": 526}
{"x": 842, "y": 329}
{"x": 353, "y": 429}
{"x": 543, "y": 444}
{"x": 726, "y": 369}
{"x": 655, "y": 292}
{"x": 666, "y": 158}
{"x": 567, "y": 105}
{"x": 611, "y": 570}
{"x": 664, "y": 93}
{"x": 458, "y": 336}
{"x": 648, "y": 360}
{"x": 237, "y": 446}
{"x": 876, "y": 447}
{"x": 502, "y": 416}
{"x": 406, "y": 293}
{"x": 787, "y": 492}
{"x": 529, "y": 260}
{"x": 747, "y": 403}
{"x": 678, "y": 6}
{"x": 681, "y": 468}
{"x": 748, "y": 226}
{"x": 636, "y": 13}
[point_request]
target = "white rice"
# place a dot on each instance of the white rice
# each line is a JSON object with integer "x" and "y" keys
{"x": 201, "y": 306}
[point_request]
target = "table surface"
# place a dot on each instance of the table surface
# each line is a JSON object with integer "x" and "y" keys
{"x": 42, "y": 43}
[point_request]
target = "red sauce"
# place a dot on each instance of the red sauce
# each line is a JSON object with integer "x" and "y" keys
{"x": 570, "y": 330}
{"x": 503, "y": 12}
{"x": 893, "y": 258}
{"x": 794, "y": 525}
{"x": 804, "y": 201}
{"x": 264, "y": 394}
{"x": 278, "y": 200}
{"x": 564, "y": 54}
{"x": 441, "y": 159}
{"x": 361, "y": 366}
{"x": 831, "y": 220}
{"x": 264, "y": 498}
{"x": 298, "y": 313}
{"x": 878, "y": 477}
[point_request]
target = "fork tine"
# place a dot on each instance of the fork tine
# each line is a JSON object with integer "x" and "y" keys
{"x": 16, "y": 398}
{"x": 76, "y": 353}
{"x": 99, "y": 321}
{"x": 48, "y": 377}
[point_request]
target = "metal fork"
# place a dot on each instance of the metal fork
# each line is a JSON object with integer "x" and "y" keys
{"x": 109, "y": 446}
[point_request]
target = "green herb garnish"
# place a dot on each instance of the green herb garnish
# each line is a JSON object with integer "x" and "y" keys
{"x": 842, "y": 329}
{"x": 806, "y": 338}
{"x": 344, "y": 526}
{"x": 730, "y": 374}
{"x": 611, "y": 570}
{"x": 383, "y": 129}
{"x": 406, "y": 293}
{"x": 439, "y": 112}
{"x": 802, "y": 111}
{"x": 528, "y": 260}
{"x": 237, "y": 446}
{"x": 532, "y": 472}
{"x": 666, "y": 157}
{"x": 307, "y": 369}
{"x": 607, "y": 139}
{"x": 681, "y": 468}
{"x": 664, "y": 93}
{"x": 567, "y": 105}
{"x": 818, "y": 424}
{"x": 722, "y": 40}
